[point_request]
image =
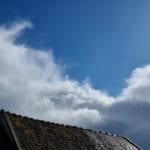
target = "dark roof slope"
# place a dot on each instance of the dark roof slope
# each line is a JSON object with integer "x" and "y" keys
{"x": 40, "y": 135}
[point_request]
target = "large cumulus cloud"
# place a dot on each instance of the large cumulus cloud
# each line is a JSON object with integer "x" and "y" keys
{"x": 33, "y": 84}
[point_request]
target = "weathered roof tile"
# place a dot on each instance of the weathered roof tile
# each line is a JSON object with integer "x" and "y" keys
{"x": 40, "y": 135}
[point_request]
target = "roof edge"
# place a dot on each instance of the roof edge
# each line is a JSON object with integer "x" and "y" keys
{"x": 131, "y": 142}
{"x": 19, "y": 147}
{"x": 10, "y": 128}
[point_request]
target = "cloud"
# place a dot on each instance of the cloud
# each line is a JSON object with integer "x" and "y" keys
{"x": 138, "y": 86}
{"x": 33, "y": 84}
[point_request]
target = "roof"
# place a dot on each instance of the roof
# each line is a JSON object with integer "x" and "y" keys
{"x": 31, "y": 134}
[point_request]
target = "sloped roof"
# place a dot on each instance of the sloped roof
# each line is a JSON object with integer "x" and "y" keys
{"x": 31, "y": 134}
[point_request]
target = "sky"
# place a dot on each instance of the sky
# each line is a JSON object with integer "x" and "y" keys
{"x": 83, "y": 63}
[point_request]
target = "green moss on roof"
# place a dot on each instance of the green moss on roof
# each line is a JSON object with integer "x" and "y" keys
{"x": 39, "y": 135}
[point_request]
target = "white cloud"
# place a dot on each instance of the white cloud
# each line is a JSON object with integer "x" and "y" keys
{"x": 33, "y": 84}
{"x": 138, "y": 86}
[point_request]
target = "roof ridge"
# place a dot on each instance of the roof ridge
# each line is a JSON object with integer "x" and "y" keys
{"x": 124, "y": 137}
{"x": 44, "y": 121}
{"x": 131, "y": 142}
{"x": 111, "y": 134}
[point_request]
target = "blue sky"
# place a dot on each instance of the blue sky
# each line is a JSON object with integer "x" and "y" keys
{"x": 106, "y": 41}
